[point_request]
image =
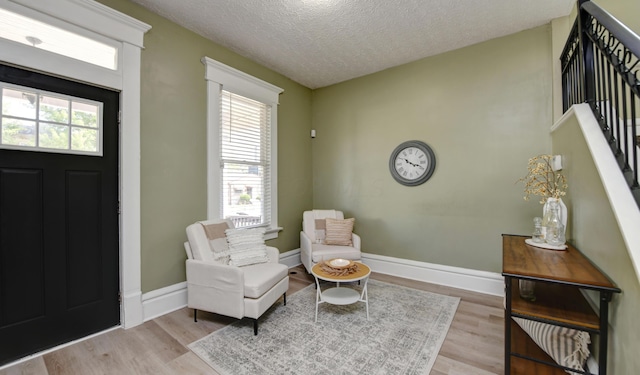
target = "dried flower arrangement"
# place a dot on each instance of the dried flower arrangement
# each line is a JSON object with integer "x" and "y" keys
{"x": 542, "y": 180}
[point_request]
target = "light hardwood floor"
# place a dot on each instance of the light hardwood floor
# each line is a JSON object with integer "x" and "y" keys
{"x": 474, "y": 343}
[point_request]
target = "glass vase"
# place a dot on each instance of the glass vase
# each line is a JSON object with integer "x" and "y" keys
{"x": 554, "y": 228}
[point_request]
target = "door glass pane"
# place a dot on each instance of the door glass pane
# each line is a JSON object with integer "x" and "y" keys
{"x": 19, "y": 103}
{"x": 54, "y": 109}
{"x": 18, "y": 132}
{"x": 84, "y": 114}
{"x": 54, "y": 136}
{"x": 49, "y": 122}
{"x": 83, "y": 139}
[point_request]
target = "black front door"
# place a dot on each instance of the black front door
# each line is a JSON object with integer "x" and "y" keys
{"x": 59, "y": 273}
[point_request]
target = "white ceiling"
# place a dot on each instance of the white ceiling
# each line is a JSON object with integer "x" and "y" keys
{"x": 321, "y": 42}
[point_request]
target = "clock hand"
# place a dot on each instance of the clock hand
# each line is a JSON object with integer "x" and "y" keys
{"x": 407, "y": 160}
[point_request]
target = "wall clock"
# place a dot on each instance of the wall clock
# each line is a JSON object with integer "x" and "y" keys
{"x": 412, "y": 163}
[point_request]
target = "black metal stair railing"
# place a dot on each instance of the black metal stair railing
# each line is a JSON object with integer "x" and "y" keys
{"x": 600, "y": 66}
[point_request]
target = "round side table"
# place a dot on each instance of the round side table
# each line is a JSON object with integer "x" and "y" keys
{"x": 339, "y": 295}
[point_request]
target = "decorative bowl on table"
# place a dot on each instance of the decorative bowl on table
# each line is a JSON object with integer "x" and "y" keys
{"x": 339, "y": 263}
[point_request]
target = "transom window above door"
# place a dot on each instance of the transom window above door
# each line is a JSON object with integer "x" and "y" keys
{"x": 35, "y": 120}
{"x": 32, "y": 32}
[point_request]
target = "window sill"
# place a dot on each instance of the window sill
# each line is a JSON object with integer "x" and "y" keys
{"x": 272, "y": 233}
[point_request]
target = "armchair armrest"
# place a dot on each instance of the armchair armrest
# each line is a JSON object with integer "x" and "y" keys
{"x": 219, "y": 275}
{"x": 216, "y": 288}
{"x": 305, "y": 241}
{"x": 305, "y": 251}
{"x": 273, "y": 254}
{"x": 356, "y": 240}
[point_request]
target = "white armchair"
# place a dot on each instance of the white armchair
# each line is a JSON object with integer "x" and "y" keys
{"x": 313, "y": 248}
{"x": 224, "y": 289}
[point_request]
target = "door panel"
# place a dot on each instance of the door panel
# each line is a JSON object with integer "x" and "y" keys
{"x": 20, "y": 199}
{"x": 59, "y": 267}
{"x": 83, "y": 231}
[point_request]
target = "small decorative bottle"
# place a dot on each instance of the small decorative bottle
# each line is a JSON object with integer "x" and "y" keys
{"x": 527, "y": 289}
{"x": 554, "y": 229}
{"x": 538, "y": 236}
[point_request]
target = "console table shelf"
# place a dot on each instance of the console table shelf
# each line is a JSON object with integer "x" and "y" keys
{"x": 559, "y": 276}
{"x": 558, "y": 303}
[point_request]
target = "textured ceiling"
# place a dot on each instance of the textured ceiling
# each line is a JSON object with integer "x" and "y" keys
{"x": 321, "y": 42}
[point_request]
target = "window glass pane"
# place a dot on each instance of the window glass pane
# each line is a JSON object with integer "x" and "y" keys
{"x": 245, "y": 154}
{"x": 54, "y": 136}
{"x": 19, "y": 103}
{"x": 18, "y": 132}
{"x": 83, "y": 139}
{"x": 84, "y": 114}
{"x": 54, "y": 109}
{"x": 38, "y": 34}
{"x": 243, "y": 196}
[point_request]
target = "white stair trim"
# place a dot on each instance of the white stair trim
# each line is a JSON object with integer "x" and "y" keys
{"x": 622, "y": 202}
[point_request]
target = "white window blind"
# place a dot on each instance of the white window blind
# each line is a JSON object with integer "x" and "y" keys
{"x": 245, "y": 154}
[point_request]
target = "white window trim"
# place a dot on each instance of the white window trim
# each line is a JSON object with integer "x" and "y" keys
{"x": 128, "y": 33}
{"x": 221, "y": 76}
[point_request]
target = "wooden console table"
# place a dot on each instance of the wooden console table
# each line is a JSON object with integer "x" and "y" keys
{"x": 559, "y": 276}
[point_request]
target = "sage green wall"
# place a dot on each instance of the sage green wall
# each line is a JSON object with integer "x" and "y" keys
{"x": 173, "y": 148}
{"x": 485, "y": 110}
{"x": 595, "y": 232}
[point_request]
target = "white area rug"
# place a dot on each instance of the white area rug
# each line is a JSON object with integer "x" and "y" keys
{"x": 404, "y": 333}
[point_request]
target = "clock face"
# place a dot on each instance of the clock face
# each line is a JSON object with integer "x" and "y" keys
{"x": 412, "y": 163}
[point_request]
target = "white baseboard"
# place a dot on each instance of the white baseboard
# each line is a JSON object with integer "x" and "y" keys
{"x": 291, "y": 258}
{"x": 165, "y": 300}
{"x": 455, "y": 277}
{"x": 131, "y": 309}
{"x": 462, "y": 278}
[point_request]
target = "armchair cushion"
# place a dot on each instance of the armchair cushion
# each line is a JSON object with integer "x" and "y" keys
{"x": 322, "y": 252}
{"x": 338, "y": 232}
{"x": 246, "y": 246}
{"x": 259, "y": 278}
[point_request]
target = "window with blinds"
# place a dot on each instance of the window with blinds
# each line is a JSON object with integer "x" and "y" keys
{"x": 245, "y": 154}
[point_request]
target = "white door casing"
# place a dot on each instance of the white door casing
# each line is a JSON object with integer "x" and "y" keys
{"x": 89, "y": 18}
